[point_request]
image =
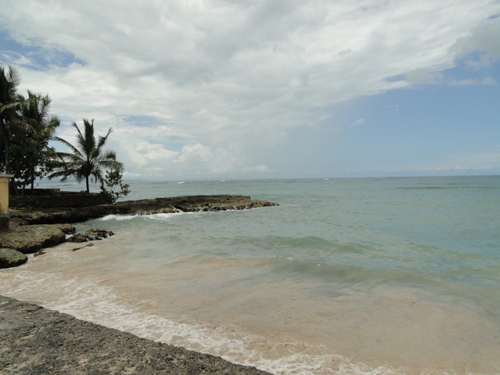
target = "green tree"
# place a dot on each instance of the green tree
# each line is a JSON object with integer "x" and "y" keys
{"x": 30, "y": 154}
{"x": 9, "y": 80}
{"x": 113, "y": 186}
{"x": 87, "y": 159}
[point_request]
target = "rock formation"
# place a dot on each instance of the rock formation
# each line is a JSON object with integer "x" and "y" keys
{"x": 11, "y": 258}
{"x": 145, "y": 206}
{"x": 91, "y": 235}
{"x": 34, "y": 228}
{"x": 31, "y": 238}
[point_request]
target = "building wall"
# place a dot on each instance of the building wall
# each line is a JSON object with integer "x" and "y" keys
{"x": 4, "y": 194}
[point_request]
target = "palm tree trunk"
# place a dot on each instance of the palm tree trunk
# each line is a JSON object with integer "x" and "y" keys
{"x": 87, "y": 181}
{"x": 32, "y": 179}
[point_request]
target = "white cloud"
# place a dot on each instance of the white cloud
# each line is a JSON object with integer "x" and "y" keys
{"x": 226, "y": 79}
{"x": 482, "y": 38}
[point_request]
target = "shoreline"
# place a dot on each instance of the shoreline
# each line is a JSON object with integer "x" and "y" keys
{"x": 77, "y": 211}
{"x": 37, "y": 340}
{"x": 44, "y": 222}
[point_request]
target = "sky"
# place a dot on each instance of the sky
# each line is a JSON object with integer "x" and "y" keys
{"x": 220, "y": 89}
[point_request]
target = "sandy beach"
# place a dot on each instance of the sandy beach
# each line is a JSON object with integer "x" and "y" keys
{"x": 36, "y": 340}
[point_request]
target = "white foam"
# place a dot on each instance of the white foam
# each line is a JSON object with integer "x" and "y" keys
{"x": 88, "y": 301}
{"x": 163, "y": 216}
{"x": 117, "y": 217}
{"x": 159, "y": 216}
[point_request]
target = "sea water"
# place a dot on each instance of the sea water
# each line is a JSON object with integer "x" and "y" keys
{"x": 345, "y": 276}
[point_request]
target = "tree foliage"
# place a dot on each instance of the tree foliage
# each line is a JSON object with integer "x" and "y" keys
{"x": 25, "y": 131}
{"x": 87, "y": 159}
{"x": 113, "y": 186}
{"x": 30, "y": 154}
{"x": 9, "y": 81}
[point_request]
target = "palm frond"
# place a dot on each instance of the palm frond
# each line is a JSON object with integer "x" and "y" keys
{"x": 73, "y": 148}
{"x": 102, "y": 140}
{"x": 13, "y": 76}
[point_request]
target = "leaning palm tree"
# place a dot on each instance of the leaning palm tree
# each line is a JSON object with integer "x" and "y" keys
{"x": 87, "y": 159}
{"x": 9, "y": 80}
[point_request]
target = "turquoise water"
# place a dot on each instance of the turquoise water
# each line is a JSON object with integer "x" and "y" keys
{"x": 368, "y": 276}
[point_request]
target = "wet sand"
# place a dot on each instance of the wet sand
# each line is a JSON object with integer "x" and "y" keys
{"x": 237, "y": 309}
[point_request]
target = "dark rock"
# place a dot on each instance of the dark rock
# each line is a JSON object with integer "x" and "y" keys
{"x": 34, "y": 340}
{"x": 11, "y": 258}
{"x": 78, "y": 237}
{"x": 31, "y": 238}
{"x": 82, "y": 247}
{"x": 91, "y": 235}
{"x": 98, "y": 234}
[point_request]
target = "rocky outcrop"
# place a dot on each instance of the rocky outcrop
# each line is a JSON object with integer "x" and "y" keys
{"x": 146, "y": 206}
{"x": 35, "y": 228}
{"x": 11, "y": 258}
{"x": 34, "y": 340}
{"x": 31, "y": 238}
{"x": 91, "y": 235}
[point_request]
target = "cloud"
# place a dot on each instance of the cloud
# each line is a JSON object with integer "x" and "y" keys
{"x": 220, "y": 80}
{"x": 482, "y": 42}
{"x": 423, "y": 76}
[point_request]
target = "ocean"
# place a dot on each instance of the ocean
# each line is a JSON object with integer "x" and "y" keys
{"x": 346, "y": 276}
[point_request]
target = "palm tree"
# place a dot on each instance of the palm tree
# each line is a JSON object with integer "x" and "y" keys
{"x": 88, "y": 158}
{"x": 9, "y": 80}
{"x": 33, "y": 150}
{"x": 35, "y": 111}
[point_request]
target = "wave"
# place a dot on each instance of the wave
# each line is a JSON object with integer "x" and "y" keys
{"x": 88, "y": 301}
{"x": 159, "y": 216}
{"x": 131, "y": 217}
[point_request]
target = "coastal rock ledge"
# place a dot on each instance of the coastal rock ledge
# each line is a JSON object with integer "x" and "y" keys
{"x": 35, "y": 340}
{"x": 47, "y": 223}
{"x": 139, "y": 207}
{"x": 32, "y": 238}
